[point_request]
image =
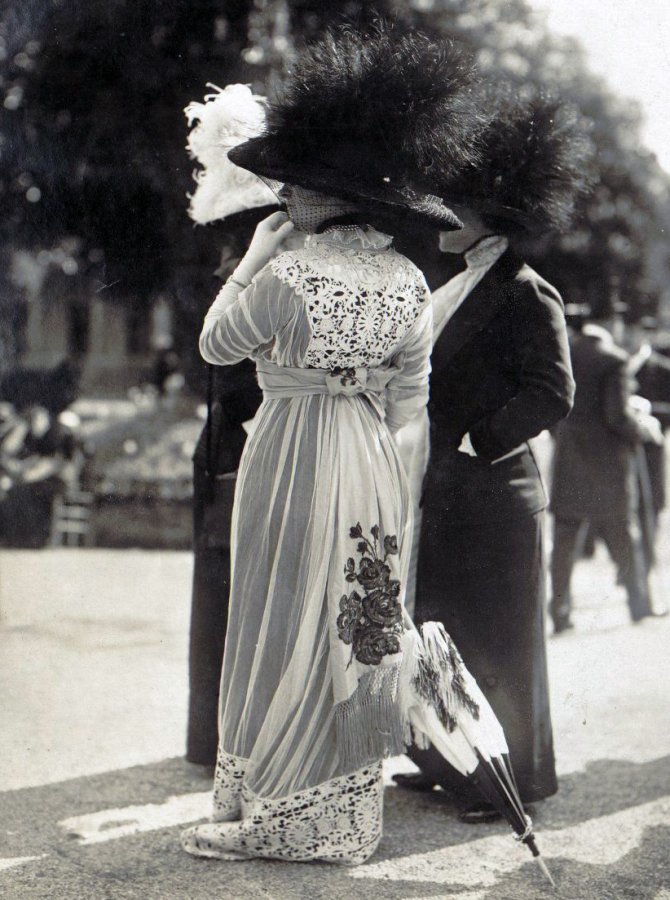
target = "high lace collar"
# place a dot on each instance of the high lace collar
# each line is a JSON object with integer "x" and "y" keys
{"x": 352, "y": 237}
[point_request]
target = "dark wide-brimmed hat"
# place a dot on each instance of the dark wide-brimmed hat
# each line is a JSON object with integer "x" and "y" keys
{"x": 536, "y": 161}
{"x": 357, "y": 119}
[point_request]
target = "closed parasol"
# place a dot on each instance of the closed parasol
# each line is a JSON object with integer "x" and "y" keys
{"x": 445, "y": 707}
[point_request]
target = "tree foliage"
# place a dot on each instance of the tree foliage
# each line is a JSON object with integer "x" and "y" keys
{"x": 93, "y": 134}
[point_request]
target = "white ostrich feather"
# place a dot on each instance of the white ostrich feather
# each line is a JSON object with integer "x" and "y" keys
{"x": 227, "y": 118}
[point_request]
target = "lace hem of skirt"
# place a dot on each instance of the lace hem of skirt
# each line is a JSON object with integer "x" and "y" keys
{"x": 228, "y": 780}
{"x": 337, "y": 821}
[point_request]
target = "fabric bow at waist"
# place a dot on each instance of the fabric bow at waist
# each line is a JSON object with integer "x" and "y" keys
{"x": 287, "y": 381}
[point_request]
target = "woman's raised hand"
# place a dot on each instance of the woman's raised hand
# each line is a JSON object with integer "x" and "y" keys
{"x": 266, "y": 241}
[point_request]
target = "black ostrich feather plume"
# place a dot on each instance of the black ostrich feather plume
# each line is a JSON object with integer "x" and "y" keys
{"x": 405, "y": 99}
{"x": 537, "y": 159}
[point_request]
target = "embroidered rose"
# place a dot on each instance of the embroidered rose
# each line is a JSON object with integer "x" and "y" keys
{"x": 373, "y": 644}
{"x": 372, "y": 573}
{"x": 382, "y": 607}
{"x": 350, "y": 607}
{"x": 372, "y": 623}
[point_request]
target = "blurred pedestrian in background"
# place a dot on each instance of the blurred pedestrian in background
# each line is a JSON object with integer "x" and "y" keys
{"x": 650, "y": 371}
{"x": 166, "y": 372}
{"x": 596, "y": 469}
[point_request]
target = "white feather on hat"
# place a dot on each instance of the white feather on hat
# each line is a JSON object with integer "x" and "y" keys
{"x": 227, "y": 118}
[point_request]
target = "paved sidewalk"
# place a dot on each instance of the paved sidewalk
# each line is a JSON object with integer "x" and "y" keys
{"x": 94, "y": 648}
{"x": 93, "y": 684}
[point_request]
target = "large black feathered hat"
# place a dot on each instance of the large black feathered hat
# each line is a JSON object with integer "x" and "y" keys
{"x": 536, "y": 160}
{"x": 374, "y": 118}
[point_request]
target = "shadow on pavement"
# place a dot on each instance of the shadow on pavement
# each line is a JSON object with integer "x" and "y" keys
{"x": 152, "y": 865}
{"x": 603, "y": 788}
{"x": 641, "y": 874}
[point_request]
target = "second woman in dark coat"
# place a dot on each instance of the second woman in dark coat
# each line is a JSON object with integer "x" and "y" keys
{"x": 500, "y": 375}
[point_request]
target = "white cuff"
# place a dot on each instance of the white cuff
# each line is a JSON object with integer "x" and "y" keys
{"x": 466, "y": 445}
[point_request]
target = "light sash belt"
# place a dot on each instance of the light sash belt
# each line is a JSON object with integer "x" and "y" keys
{"x": 287, "y": 381}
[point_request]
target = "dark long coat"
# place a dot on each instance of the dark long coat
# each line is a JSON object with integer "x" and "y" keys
{"x": 236, "y": 399}
{"x": 500, "y": 372}
{"x": 595, "y": 467}
{"x": 653, "y": 383}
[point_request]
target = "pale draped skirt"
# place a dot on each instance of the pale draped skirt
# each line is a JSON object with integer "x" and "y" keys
{"x": 313, "y": 467}
{"x": 413, "y": 443}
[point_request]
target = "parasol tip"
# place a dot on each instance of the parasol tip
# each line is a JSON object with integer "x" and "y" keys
{"x": 545, "y": 871}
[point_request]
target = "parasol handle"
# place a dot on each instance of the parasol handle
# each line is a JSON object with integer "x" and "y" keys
{"x": 527, "y": 836}
{"x": 530, "y": 843}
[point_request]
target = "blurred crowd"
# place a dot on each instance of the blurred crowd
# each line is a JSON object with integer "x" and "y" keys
{"x": 609, "y": 462}
{"x": 60, "y": 454}
{"x": 41, "y": 456}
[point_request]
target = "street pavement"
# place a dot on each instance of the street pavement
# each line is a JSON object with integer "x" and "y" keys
{"x": 94, "y": 787}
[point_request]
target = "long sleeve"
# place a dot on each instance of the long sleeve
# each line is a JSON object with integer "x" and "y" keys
{"x": 241, "y": 320}
{"x": 546, "y": 386}
{"x": 407, "y": 392}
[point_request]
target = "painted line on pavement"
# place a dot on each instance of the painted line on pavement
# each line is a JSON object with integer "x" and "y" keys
{"x": 10, "y": 862}
{"x": 600, "y": 841}
{"x": 111, "y": 824}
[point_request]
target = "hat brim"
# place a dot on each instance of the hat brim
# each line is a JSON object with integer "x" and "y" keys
{"x": 408, "y": 207}
{"x": 489, "y": 207}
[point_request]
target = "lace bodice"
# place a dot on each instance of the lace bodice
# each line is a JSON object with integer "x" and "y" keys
{"x": 361, "y": 297}
{"x": 346, "y": 300}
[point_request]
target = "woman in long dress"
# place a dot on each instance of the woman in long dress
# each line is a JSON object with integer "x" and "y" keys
{"x": 321, "y": 505}
{"x": 321, "y": 662}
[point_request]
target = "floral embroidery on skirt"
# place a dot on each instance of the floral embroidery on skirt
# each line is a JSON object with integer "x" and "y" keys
{"x": 373, "y": 623}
